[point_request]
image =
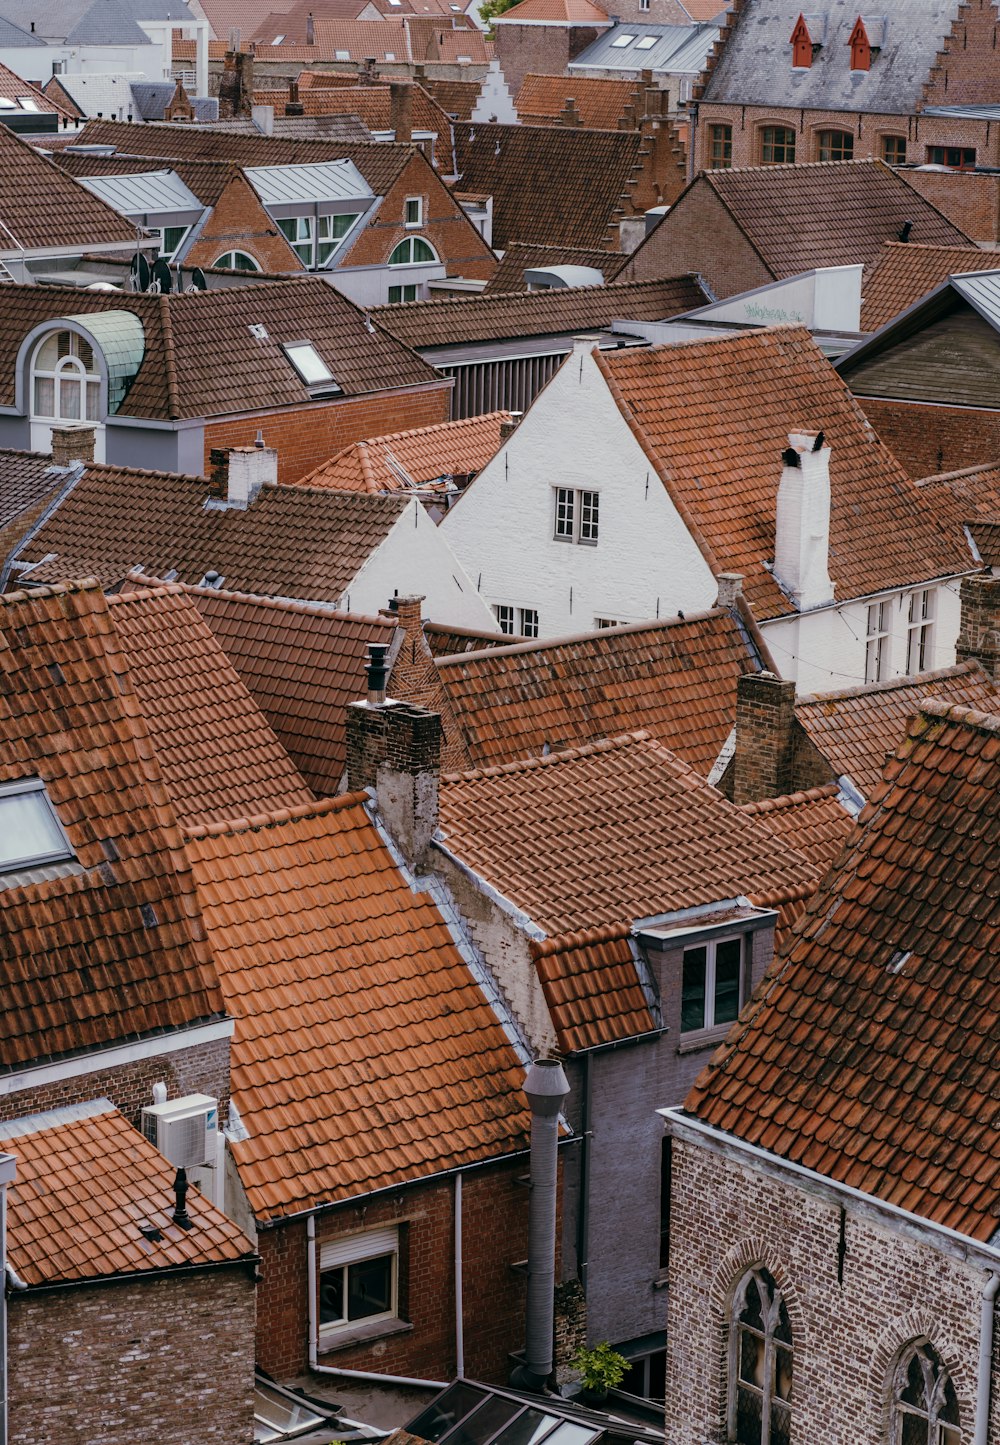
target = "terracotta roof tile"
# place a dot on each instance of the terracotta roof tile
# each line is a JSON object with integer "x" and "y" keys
{"x": 86, "y": 1184}
{"x": 600, "y": 103}
{"x": 41, "y": 206}
{"x": 13, "y": 87}
{"x": 443, "y": 641}
{"x": 578, "y": 12}
{"x": 904, "y": 273}
{"x": 519, "y": 256}
{"x": 26, "y": 482}
{"x": 348, "y": 988}
{"x": 371, "y": 103}
{"x": 968, "y": 496}
{"x": 577, "y": 839}
{"x": 890, "y": 996}
{"x": 813, "y": 822}
{"x": 856, "y": 729}
{"x": 110, "y": 948}
{"x": 722, "y": 466}
{"x": 397, "y": 461}
{"x": 592, "y": 988}
{"x": 457, "y": 98}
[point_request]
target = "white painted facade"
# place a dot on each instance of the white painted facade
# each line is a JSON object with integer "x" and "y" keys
{"x": 415, "y": 559}
{"x": 495, "y": 101}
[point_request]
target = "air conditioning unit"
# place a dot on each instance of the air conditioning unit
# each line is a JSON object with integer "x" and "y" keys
{"x": 184, "y": 1130}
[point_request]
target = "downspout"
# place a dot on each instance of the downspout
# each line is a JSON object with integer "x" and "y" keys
{"x": 459, "y": 1312}
{"x": 312, "y": 1276}
{"x": 583, "y": 1204}
{"x": 984, "y": 1375}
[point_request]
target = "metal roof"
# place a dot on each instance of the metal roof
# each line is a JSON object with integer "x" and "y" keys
{"x": 309, "y": 184}
{"x": 675, "y": 49}
{"x": 982, "y": 290}
{"x": 965, "y": 112}
{"x": 122, "y": 342}
{"x": 151, "y": 197}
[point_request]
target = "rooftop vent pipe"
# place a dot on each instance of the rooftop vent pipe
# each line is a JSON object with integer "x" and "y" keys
{"x": 546, "y": 1088}
{"x": 376, "y": 672}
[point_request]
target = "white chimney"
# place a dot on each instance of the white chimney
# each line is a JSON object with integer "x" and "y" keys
{"x": 802, "y": 525}
{"x": 263, "y": 118}
{"x": 249, "y": 469}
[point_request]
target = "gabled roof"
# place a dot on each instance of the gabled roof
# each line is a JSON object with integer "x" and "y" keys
{"x": 557, "y": 12}
{"x": 679, "y": 50}
{"x": 871, "y": 1054}
{"x": 812, "y": 822}
{"x": 13, "y": 37}
{"x": 549, "y": 183}
{"x": 592, "y": 987}
{"x": 968, "y": 496}
{"x": 400, "y": 460}
{"x": 348, "y": 987}
{"x": 107, "y": 947}
{"x": 14, "y": 88}
{"x": 600, "y": 103}
{"x": 578, "y": 839}
{"x": 858, "y": 728}
{"x": 520, "y": 256}
{"x": 291, "y": 542}
{"x": 90, "y": 1192}
{"x": 453, "y": 320}
{"x": 721, "y": 467}
{"x": 372, "y": 104}
{"x": 904, "y": 273}
{"x": 42, "y": 207}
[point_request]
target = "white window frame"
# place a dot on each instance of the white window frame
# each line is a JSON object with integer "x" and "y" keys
{"x": 602, "y": 623}
{"x": 398, "y": 294}
{"x": 229, "y": 256}
{"x": 70, "y": 371}
{"x": 417, "y": 201}
{"x": 920, "y": 631}
{"x": 402, "y": 253}
{"x": 878, "y": 640}
{"x": 328, "y": 243}
{"x": 576, "y": 515}
{"x": 168, "y": 253}
{"x": 505, "y": 615}
{"x": 527, "y": 618}
{"x": 62, "y": 853}
{"x": 341, "y": 1254}
{"x": 709, "y": 1022}
{"x": 303, "y": 241}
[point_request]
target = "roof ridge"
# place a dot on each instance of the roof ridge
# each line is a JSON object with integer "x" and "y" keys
{"x": 523, "y": 298}
{"x": 49, "y": 589}
{"x": 969, "y": 717}
{"x": 572, "y": 638}
{"x": 891, "y": 684}
{"x": 795, "y": 166}
{"x": 255, "y": 821}
{"x": 285, "y": 604}
{"x": 566, "y": 755}
{"x": 791, "y": 800}
{"x": 563, "y": 942}
{"x": 962, "y": 472}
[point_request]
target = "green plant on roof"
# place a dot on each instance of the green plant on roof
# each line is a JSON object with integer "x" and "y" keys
{"x": 601, "y": 1368}
{"x": 490, "y": 9}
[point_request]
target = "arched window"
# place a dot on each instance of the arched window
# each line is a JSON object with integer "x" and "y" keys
{"x": 65, "y": 379}
{"x": 760, "y": 1375}
{"x": 777, "y": 145}
{"x": 924, "y": 1406}
{"x": 412, "y": 250}
{"x": 236, "y": 261}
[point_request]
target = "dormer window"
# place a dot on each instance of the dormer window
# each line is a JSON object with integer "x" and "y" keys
{"x": 65, "y": 379}
{"x": 802, "y": 46}
{"x": 311, "y": 367}
{"x": 31, "y": 835}
{"x": 861, "y": 50}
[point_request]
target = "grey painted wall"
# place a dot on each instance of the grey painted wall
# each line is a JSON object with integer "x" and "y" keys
{"x": 15, "y": 433}
{"x": 157, "y": 449}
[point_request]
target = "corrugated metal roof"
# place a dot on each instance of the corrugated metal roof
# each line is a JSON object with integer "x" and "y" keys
{"x": 327, "y": 181}
{"x": 679, "y": 49}
{"x": 965, "y": 112}
{"x": 147, "y": 194}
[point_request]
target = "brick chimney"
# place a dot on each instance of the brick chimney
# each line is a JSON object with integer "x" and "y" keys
{"x": 979, "y": 628}
{"x": 401, "y": 110}
{"x": 72, "y": 444}
{"x": 238, "y": 473}
{"x": 802, "y": 521}
{"x": 395, "y": 748}
{"x": 765, "y": 737}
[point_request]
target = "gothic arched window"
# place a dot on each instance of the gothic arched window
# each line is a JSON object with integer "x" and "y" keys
{"x": 924, "y": 1405}
{"x": 760, "y": 1376}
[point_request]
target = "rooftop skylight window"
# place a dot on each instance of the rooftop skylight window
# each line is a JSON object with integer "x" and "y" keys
{"x": 647, "y": 42}
{"x": 622, "y": 41}
{"x": 26, "y": 102}
{"x": 6, "y": 103}
{"x": 309, "y": 364}
{"x": 277, "y": 40}
{"x": 30, "y": 833}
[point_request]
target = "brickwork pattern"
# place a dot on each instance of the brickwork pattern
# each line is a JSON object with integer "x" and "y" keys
{"x": 979, "y": 637}
{"x": 930, "y": 439}
{"x": 765, "y": 723}
{"x": 168, "y": 1360}
{"x": 970, "y": 200}
{"x": 239, "y": 222}
{"x": 399, "y": 736}
{"x": 701, "y": 237}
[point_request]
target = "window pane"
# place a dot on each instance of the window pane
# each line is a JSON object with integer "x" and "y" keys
{"x": 45, "y": 396}
{"x": 588, "y": 516}
{"x": 529, "y": 622}
{"x": 530, "y": 1426}
{"x": 748, "y": 1416}
{"x": 445, "y": 1412}
{"x": 369, "y": 1287}
{"x": 331, "y": 1296}
{"x": 751, "y": 1359}
{"x": 782, "y": 1373}
{"x": 93, "y": 400}
{"x": 693, "y": 990}
{"x": 780, "y": 1424}
{"x": 728, "y": 965}
{"x": 564, "y": 511}
{"x": 48, "y": 354}
{"x": 69, "y": 398}
{"x": 569, "y": 1434}
{"x": 484, "y": 1422}
{"x": 914, "y": 1430}
{"x": 421, "y": 250}
{"x": 28, "y": 831}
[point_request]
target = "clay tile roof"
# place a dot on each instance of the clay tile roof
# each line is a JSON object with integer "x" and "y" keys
{"x": 905, "y": 273}
{"x": 40, "y": 206}
{"x": 600, "y": 103}
{"x": 457, "y": 98}
{"x": 205, "y": 179}
{"x": 576, "y": 12}
{"x": 519, "y": 257}
{"x": 347, "y": 986}
{"x": 813, "y": 822}
{"x": 371, "y": 103}
{"x": 86, "y": 1184}
{"x": 218, "y": 754}
{"x": 578, "y": 839}
{"x": 107, "y": 947}
{"x": 12, "y": 87}
{"x": 442, "y": 640}
{"x": 674, "y": 678}
{"x": 398, "y": 460}
{"x": 722, "y": 466}
{"x": 968, "y": 496}
{"x": 871, "y": 1055}
{"x": 291, "y": 542}
{"x": 856, "y": 729}
{"x": 592, "y": 988}
{"x": 453, "y": 320}
{"x": 302, "y": 666}
{"x": 27, "y": 483}
{"x": 560, "y": 186}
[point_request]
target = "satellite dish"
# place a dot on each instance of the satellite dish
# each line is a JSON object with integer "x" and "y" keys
{"x": 161, "y": 273}
{"x": 139, "y": 274}
{"x": 198, "y": 279}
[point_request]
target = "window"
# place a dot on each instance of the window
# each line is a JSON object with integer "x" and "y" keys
{"x": 298, "y": 230}
{"x": 329, "y": 234}
{"x": 720, "y": 147}
{"x": 577, "y": 516}
{"x": 411, "y": 251}
{"x": 835, "y": 145}
{"x": 711, "y": 983}
{"x": 358, "y": 1281}
{"x": 647, "y": 42}
{"x": 777, "y": 145}
{"x": 527, "y": 621}
{"x": 920, "y": 631}
{"x": 622, "y": 40}
{"x": 66, "y": 382}
{"x": 171, "y": 240}
{"x": 310, "y": 366}
{"x": 236, "y": 261}
{"x": 925, "y": 1409}
{"x": 601, "y": 622}
{"x": 878, "y": 641}
{"x": 760, "y": 1373}
{"x": 643, "y": 4}
{"x": 894, "y": 150}
{"x": 398, "y": 294}
{"x": 505, "y": 617}
{"x": 30, "y": 832}
{"x": 414, "y": 210}
{"x": 959, "y": 158}
{"x": 647, "y": 1377}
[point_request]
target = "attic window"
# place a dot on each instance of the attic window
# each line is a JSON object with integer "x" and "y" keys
{"x": 622, "y": 41}
{"x": 861, "y": 50}
{"x": 341, "y": 55}
{"x": 30, "y": 833}
{"x": 309, "y": 364}
{"x": 647, "y": 42}
{"x": 277, "y": 40}
{"x": 802, "y": 46}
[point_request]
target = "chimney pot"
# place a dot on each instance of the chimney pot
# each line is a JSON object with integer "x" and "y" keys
{"x": 730, "y": 585}
{"x": 72, "y": 444}
{"x": 802, "y": 521}
{"x": 401, "y": 110}
{"x": 376, "y": 673}
{"x": 180, "y": 1215}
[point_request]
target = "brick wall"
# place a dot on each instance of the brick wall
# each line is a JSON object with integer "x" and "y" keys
{"x": 699, "y": 235}
{"x": 168, "y": 1361}
{"x": 765, "y": 722}
{"x": 970, "y": 200}
{"x": 494, "y": 1236}
{"x": 929, "y": 439}
{"x": 239, "y": 223}
{"x": 540, "y": 49}
{"x": 979, "y": 637}
{"x": 725, "y": 1217}
{"x": 311, "y": 434}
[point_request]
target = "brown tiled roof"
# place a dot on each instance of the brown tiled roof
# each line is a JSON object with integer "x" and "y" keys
{"x": 453, "y": 320}
{"x": 560, "y": 186}
{"x": 206, "y": 179}
{"x": 721, "y": 465}
{"x": 201, "y": 359}
{"x": 904, "y": 273}
{"x": 41, "y": 206}
{"x": 348, "y": 988}
{"x": 343, "y": 129}
{"x": 858, "y": 728}
{"x": 111, "y": 949}
{"x": 970, "y": 495}
{"x": 26, "y": 481}
{"x": 302, "y": 666}
{"x": 457, "y": 98}
{"x": 13, "y": 87}
{"x": 813, "y": 822}
{"x": 872, "y": 1054}
{"x": 442, "y": 641}
{"x": 675, "y": 678}
{"x": 242, "y": 15}
{"x": 578, "y": 839}
{"x": 456, "y": 47}
{"x": 578, "y": 12}
{"x": 591, "y": 987}
{"x": 302, "y": 542}
{"x": 600, "y": 103}
{"x": 216, "y": 750}
{"x": 519, "y": 257}
{"x": 393, "y": 462}
{"x": 87, "y": 1184}
{"x": 371, "y": 103}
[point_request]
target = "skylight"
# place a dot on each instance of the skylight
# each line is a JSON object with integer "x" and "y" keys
{"x": 26, "y": 103}
{"x": 647, "y": 42}
{"x": 277, "y": 40}
{"x": 6, "y": 103}
{"x": 309, "y": 364}
{"x": 30, "y": 833}
{"x": 622, "y": 41}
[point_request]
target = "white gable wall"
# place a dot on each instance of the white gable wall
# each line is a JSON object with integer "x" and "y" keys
{"x": 644, "y": 564}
